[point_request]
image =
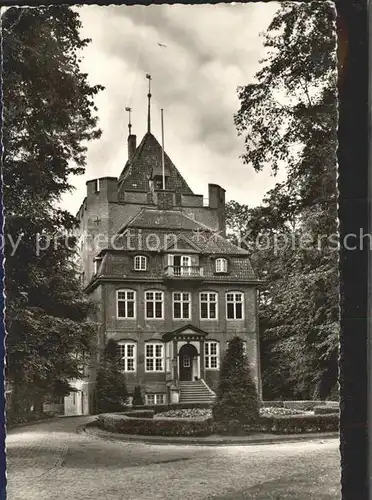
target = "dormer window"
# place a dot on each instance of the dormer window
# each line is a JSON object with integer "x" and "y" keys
{"x": 158, "y": 182}
{"x": 221, "y": 265}
{"x": 140, "y": 263}
{"x": 96, "y": 265}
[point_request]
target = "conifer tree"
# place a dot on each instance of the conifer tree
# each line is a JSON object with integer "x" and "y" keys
{"x": 237, "y": 398}
{"x": 111, "y": 390}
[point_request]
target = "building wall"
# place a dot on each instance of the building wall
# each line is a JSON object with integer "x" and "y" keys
{"x": 141, "y": 330}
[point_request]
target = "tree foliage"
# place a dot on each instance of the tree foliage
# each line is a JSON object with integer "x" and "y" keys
{"x": 111, "y": 390}
{"x": 289, "y": 120}
{"x": 48, "y": 118}
{"x": 237, "y": 398}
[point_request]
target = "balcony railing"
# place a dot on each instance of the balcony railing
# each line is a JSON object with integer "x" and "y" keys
{"x": 184, "y": 272}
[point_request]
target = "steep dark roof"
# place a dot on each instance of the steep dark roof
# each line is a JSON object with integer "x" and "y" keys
{"x": 157, "y": 226}
{"x": 147, "y": 160}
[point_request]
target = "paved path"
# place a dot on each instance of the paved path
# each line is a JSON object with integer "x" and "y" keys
{"x": 51, "y": 461}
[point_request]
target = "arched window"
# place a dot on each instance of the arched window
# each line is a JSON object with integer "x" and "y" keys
{"x": 128, "y": 355}
{"x": 234, "y": 305}
{"x": 221, "y": 265}
{"x": 126, "y": 304}
{"x": 154, "y": 304}
{"x": 140, "y": 263}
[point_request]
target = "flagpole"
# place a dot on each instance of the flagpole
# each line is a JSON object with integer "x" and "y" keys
{"x": 162, "y": 147}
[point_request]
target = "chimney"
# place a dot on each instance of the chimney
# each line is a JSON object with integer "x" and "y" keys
{"x": 132, "y": 145}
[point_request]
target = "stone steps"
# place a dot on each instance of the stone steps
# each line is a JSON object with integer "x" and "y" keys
{"x": 195, "y": 392}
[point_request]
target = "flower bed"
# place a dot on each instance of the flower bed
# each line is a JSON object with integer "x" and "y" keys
{"x": 207, "y": 412}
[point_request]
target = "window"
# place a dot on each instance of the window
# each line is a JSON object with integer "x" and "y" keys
{"x": 127, "y": 356}
{"x": 140, "y": 263}
{"x": 126, "y": 303}
{"x": 211, "y": 355}
{"x": 154, "y": 305}
{"x": 208, "y": 305}
{"x": 154, "y": 357}
{"x": 181, "y": 305}
{"x": 221, "y": 266}
{"x": 234, "y": 305}
{"x": 155, "y": 399}
{"x": 158, "y": 182}
{"x": 186, "y": 361}
{"x": 180, "y": 264}
{"x": 96, "y": 265}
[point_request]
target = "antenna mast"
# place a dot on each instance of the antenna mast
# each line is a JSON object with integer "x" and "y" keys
{"x": 148, "y": 76}
{"x": 162, "y": 147}
{"x": 129, "y": 110}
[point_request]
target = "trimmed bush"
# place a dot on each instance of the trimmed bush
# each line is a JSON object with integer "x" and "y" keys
{"x": 155, "y": 427}
{"x": 326, "y": 410}
{"x": 298, "y": 424}
{"x": 237, "y": 399}
{"x": 138, "y": 413}
{"x": 137, "y": 397}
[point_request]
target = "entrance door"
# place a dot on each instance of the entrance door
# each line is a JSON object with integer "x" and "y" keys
{"x": 187, "y": 354}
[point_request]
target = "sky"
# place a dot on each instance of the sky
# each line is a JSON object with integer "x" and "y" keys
{"x": 209, "y": 51}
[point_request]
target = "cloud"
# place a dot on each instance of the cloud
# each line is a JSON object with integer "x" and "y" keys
{"x": 210, "y": 51}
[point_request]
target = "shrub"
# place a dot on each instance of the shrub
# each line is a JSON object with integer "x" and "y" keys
{"x": 111, "y": 391}
{"x": 297, "y": 424}
{"x": 137, "y": 397}
{"x": 237, "y": 398}
{"x": 139, "y": 413}
{"x": 326, "y": 410}
{"x": 155, "y": 427}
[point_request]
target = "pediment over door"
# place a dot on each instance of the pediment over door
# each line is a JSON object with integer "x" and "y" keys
{"x": 187, "y": 333}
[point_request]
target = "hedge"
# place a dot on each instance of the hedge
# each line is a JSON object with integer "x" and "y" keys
{"x": 324, "y": 410}
{"x": 155, "y": 427}
{"x": 305, "y": 405}
{"x": 297, "y": 424}
{"x": 289, "y": 424}
{"x": 138, "y": 413}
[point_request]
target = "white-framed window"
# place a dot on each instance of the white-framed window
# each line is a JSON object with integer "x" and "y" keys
{"x": 181, "y": 305}
{"x": 208, "y": 305}
{"x": 126, "y": 304}
{"x": 140, "y": 263}
{"x": 155, "y": 399}
{"x": 154, "y": 357}
{"x": 154, "y": 304}
{"x": 186, "y": 361}
{"x": 234, "y": 305}
{"x": 211, "y": 355}
{"x": 128, "y": 356}
{"x": 96, "y": 265}
{"x": 180, "y": 264}
{"x": 221, "y": 265}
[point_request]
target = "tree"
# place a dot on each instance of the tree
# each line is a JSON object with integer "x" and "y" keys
{"x": 137, "y": 397}
{"x": 289, "y": 120}
{"x": 49, "y": 117}
{"x": 111, "y": 391}
{"x": 237, "y": 398}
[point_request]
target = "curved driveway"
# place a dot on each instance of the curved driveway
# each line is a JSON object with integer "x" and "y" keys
{"x": 51, "y": 461}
